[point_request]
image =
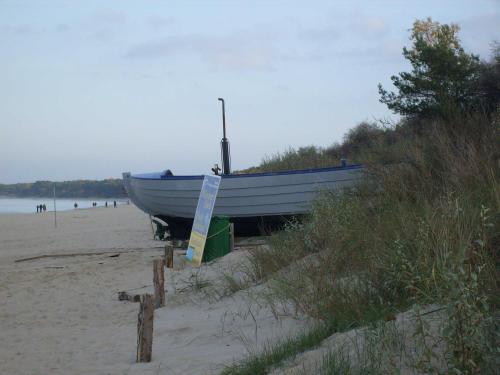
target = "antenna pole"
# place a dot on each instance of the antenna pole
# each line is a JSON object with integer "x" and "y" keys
{"x": 226, "y": 158}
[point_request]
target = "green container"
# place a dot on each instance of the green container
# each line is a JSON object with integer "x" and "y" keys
{"x": 218, "y": 239}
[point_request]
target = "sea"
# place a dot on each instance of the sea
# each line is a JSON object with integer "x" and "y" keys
{"x": 27, "y": 205}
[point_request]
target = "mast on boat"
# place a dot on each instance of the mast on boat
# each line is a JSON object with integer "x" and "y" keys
{"x": 224, "y": 144}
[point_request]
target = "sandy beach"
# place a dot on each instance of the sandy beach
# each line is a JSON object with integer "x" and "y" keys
{"x": 61, "y": 315}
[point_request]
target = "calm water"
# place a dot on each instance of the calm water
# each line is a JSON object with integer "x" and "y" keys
{"x": 27, "y": 205}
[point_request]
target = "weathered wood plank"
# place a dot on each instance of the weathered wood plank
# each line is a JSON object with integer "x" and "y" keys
{"x": 105, "y": 252}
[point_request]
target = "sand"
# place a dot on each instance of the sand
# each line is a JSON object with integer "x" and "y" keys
{"x": 61, "y": 315}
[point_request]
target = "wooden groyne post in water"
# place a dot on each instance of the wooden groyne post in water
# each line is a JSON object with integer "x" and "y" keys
{"x": 159, "y": 282}
{"x": 145, "y": 329}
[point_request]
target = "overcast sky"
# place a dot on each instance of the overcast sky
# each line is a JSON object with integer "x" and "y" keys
{"x": 89, "y": 89}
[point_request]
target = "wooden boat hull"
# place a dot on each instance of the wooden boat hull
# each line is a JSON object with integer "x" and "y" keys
{"x": 251, "y": 201}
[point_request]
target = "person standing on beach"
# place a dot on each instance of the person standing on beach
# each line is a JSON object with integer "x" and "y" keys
{"x": 44, "y": 207}
{"x": 75, "y": 205}
{"x": 106, "y": 204}
{"x": 114, "y": 204}
{"x": 37, "y": 208}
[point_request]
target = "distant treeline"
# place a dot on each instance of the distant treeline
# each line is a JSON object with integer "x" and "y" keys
{"x": 109, "y": 188}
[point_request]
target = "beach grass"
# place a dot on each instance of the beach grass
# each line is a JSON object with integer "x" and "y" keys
{"x": 422, "y": 229}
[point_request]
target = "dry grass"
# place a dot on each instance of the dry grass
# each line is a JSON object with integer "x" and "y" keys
{"x": 423, "y": 229}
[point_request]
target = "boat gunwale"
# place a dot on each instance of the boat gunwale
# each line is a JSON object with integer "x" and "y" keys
{"x": 157, "y": 175}
{"x": 229, "y": 189}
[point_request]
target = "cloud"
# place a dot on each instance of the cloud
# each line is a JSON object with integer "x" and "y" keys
{"x": 356, "y": 24}
{"x": 104, "y": 24}
{"x": 487, "y": 22}
{"x": 355, "y": 36}
{"x": 239, "y": 51}
{"x": 106, "y": 17}
{"x": 369, "y": 27}
{"x": 352, "y": 35}
{"x": 328, "y": 33}
{"x": 282, "y": 87}
{"x": 62, "y": 28}
{"x": 19, "y": 30}
{"x": 102, "y": 35}
{"x": 477, "y": 32}
{"x": 159, "y": 22}
{"x": 381, "y": 52}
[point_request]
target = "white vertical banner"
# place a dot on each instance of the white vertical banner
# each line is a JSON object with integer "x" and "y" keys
{"x": 202, "y": 217}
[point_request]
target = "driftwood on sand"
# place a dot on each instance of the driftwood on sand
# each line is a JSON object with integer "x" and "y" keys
{"x": 114, "y": 254}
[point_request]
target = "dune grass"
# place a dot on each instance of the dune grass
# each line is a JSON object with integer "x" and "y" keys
{"x": 422, "y": 229}
{"x": 273, "y": 355}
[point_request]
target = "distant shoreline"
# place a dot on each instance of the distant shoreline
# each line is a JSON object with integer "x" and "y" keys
{"x": 88, "y": 189}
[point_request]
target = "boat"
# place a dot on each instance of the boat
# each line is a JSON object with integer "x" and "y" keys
{"x": 254, "y": 202}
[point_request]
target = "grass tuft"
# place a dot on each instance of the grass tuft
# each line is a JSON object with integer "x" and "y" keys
{"x": 273, "y": 355}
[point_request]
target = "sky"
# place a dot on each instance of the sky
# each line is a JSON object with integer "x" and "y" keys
{"x": 92, "y": 88}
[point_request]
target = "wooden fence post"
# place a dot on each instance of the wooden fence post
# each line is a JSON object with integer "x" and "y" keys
{"x": 159, "y": 282}
{"x": 145, "y": 329}
{"x": 231, "y": 238}
{"x": 169, "y": 255}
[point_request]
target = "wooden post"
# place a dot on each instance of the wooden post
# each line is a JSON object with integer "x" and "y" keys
{"x": 169, "y": 255}
{"x": 231, "y": 238}
{"x": 159, "y": 282}
{"x": 152, "y": 228}
{"x": 145, "y": 329}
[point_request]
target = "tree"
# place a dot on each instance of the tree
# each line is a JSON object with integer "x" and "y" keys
{"x": 443, "y": 77}
{"x": 489, "y": 81}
